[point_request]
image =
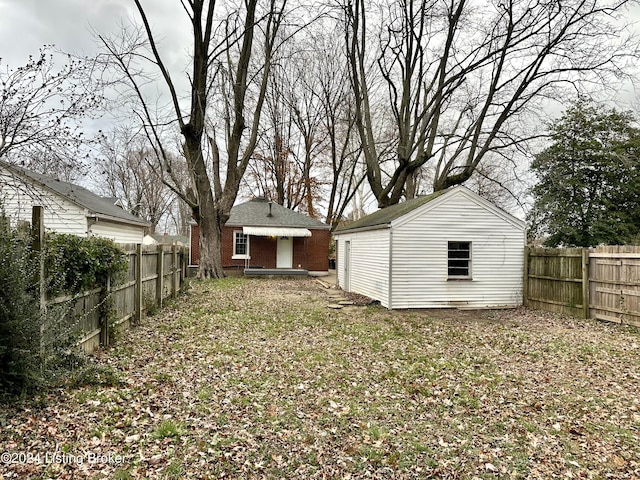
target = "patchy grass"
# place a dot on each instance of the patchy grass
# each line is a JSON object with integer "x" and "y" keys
{"x": 258, "y": 379}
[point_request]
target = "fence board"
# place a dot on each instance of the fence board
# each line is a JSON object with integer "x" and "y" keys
{"x": 80, "y": 315}
{"x": 554, "y": 280}
{"x": 602, "y": 282}
{"x": 614, "y": 284}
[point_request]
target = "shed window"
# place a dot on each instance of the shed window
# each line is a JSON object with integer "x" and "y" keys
{"x": 240, "y": 245}
{"x": 459, "y": 260}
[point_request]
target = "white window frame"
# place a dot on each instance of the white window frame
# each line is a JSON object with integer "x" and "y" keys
{"x": 236, "y": 256}
{"x": 468, "y": 259}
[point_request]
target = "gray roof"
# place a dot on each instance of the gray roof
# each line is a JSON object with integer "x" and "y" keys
{"x": 383, "y": 218}
{"x": 169, "y": 239}
{"x": 255, "y": 213}
{"x": 82, "y": 197}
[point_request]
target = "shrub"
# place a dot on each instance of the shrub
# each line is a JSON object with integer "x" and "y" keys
{"x": 20, "y": 316}
{"x": 76, "y": 264}
{"x": 35, "y": 346}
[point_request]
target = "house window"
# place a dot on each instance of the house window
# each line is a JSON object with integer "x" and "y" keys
{"x": 240, "y": 245}
{"x": 459, "y": 260}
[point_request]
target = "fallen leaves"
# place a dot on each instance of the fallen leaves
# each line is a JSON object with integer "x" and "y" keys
{"x": 258, "y": 379}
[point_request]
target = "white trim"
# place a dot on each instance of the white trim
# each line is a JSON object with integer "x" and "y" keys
{"x": 241, "y": 256}
{"x": 277, "y": 231}
{"x": 469, "y": 259}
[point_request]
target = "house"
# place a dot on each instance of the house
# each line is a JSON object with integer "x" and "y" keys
{"x": 166, "y": 239}
{"x": 149, "y": 240}
{"x": 68, "y": 208}
{"x": 448, "y": 249}
{"x": 263, "y": 237}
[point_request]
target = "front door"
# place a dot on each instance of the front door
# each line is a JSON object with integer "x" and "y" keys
{"x": 284, "y": 252}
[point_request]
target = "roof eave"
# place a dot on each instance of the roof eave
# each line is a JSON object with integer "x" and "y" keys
{"x": 314, "y": 227}
{"x": 101, "y": 216}
{"x": 383, "y": 226}
{"x": 28, "y": 178}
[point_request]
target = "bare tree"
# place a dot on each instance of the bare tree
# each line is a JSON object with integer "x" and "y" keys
{"x": 127, "y": 168}
{"x": 273, "y": 171}
{"x": 286, "y": 165}
{"x": 305, "y": 103}
{"x": 459, "y": 74}
{"x": 308, "y": 156}
{"x": 223, "y": 62}
{"x": 41, "y": 110}
{"x": 342, "y": 150}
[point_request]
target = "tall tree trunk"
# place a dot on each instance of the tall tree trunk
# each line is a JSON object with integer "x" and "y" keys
{"x": 210, "y": 246}
{"x": 306, "y": 174}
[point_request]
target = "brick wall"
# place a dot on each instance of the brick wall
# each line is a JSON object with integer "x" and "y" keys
{"x": 261, "y": 249}
{"x": 317, "y": 251}
{"x": 311, "y": 253}
{"x": 195, "y": 245}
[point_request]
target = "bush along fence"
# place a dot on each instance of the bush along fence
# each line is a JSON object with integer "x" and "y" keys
{"x": 601, "y": 283}
{"x": 147, "y": 276}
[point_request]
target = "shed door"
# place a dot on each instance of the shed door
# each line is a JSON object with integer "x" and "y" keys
{"x": 347, "y": 265}
{"x": 284, "y": 252}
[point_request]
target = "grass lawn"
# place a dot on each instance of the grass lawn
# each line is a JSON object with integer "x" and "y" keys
{"x": 259, "y": 379}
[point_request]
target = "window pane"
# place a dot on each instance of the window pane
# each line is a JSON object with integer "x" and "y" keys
{"x": 240, "y": 247}
{"x": 458, "y": 263}
{"x": 458, "y": 272}
{"x": 459, "y": 259}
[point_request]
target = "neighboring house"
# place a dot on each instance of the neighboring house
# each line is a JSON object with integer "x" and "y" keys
{"x": 266, "y": 238}
{"x": 448, "y": 249}
{"x": 149, "y": 240}
{"x": 166, "y": 239}
{"x": 68, "y": 208}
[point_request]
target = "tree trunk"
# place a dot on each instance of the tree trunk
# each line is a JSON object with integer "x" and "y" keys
{"x": 210, "y": 246}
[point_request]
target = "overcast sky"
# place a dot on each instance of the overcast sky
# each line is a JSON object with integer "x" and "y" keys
{"x": 26, "y": 25}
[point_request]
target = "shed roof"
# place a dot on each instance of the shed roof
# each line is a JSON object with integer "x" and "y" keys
{"x": 78, "y": 195}
{"x": 383, "y": 218}
{"x": 255, "y": 213}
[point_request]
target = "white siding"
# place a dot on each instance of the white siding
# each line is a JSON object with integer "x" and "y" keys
{"x": 420, "y": 243}
{"x": 369, "y": 268}
{"x": 60, "y": 215}
{"x": 118, "y": 232}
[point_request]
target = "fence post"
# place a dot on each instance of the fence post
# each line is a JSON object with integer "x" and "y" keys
{"x": 184, "y": 262}
{"x": 138, "y": 289}
{"x": 104, "y": 322}
{"x": 37, "y": 249}
{"x": 160, "y": 279}
{"x": 525, "y": 277}
{"x": 585, "y": 283}
{"x": 174, "y": 270}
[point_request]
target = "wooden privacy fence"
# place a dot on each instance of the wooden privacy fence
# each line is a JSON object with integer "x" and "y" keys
{"x": 601, "y": 283}
{"x": 154, "y": 274}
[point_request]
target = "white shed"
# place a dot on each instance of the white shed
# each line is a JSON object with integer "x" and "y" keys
{"x": 68, "y": 208}
{"x": 448, "y": 249}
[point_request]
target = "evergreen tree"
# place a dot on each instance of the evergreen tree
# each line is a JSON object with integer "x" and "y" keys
{"x": 588, "y": 179}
